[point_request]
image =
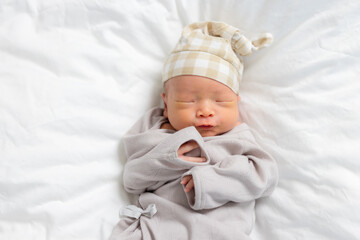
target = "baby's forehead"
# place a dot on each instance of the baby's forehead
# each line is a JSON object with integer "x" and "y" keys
{"x": 195, "y": 85}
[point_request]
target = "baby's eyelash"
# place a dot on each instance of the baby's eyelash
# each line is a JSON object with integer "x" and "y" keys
{"x": 187, "y": 101}
{"x": 225, "y": 101}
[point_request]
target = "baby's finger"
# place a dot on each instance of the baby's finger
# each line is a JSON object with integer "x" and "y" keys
{"x": 187, "y": 147}
{"x": 186, "y": 179}
{"x": 189, "y": 186}
{"x": 193, "y": 159}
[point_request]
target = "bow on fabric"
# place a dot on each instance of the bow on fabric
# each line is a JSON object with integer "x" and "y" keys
{"x": 135, "y": 212}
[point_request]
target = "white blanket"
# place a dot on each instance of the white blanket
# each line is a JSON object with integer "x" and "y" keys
{"x": 75, "y": 75}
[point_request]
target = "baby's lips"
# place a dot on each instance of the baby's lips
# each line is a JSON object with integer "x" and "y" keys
{"x": 205, "y": 126}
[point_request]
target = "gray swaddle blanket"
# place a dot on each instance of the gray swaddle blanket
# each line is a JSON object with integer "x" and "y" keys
{"x": 221, "y": 206}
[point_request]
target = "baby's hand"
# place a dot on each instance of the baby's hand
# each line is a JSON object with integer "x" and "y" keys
{"x": 187, "y": 147}
{"x": 188, "y": 182}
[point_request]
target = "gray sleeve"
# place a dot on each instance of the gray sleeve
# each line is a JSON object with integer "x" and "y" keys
{"x": 244, "y": 175}
{"x": 161, "y": 163}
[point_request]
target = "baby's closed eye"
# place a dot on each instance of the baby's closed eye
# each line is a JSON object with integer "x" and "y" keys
{"x": 224, "y": 100}
{"x": 185, "y": 101}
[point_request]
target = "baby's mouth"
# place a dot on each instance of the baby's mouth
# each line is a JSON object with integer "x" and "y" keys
{"x": 205, "y": 127}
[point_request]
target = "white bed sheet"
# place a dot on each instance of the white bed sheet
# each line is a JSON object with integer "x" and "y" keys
{"x": 75, "y": 75}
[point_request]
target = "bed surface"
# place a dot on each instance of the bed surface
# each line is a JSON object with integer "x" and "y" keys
{"x": 75, "y": 75}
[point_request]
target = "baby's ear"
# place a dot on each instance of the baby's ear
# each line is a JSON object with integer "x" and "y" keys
{"x": 163, "y": 96}
{"x": 239, "y": 98}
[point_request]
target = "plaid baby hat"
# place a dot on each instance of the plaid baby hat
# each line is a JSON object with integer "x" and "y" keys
{"x": 213, "y": 50}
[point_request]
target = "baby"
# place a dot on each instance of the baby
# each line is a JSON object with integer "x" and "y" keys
{"x": 196, "y": 167}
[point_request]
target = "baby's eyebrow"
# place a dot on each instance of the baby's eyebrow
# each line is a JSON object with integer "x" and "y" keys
{"x": 186, "y": 91}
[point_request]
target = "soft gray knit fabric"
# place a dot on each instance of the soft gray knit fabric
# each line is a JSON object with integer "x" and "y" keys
{"x": 236, "y": 173}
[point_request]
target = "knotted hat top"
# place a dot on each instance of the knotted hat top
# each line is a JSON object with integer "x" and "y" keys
{"x": 213, "y": 50}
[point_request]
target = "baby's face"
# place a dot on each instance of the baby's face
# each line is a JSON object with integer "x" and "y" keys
{"x": 210, "y": 106}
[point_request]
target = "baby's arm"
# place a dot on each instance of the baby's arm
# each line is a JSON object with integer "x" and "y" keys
{"x": 244, "y": 175}
{"x": 164, "y": 162}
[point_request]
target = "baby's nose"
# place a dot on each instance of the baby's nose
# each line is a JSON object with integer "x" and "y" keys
{"x": 205, "y": 110}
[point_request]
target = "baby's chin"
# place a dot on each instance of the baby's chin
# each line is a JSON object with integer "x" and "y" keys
{"x": 207, "y": 133}
{"x": 212, "y": 132}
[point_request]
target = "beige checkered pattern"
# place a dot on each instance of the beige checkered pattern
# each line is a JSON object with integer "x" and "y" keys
{"x": 213, "y": 50}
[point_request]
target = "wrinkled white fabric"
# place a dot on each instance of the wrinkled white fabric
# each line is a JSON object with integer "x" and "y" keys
{"x": 75, "y": 75}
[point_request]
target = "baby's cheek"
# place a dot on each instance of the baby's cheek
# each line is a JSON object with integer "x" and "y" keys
{"x": 181, "y": 119}
{"x": 231, "y": 117}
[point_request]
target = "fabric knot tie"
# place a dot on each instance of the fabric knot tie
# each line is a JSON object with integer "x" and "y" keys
{"x": 133, "y": 211}
{"x": 242, "y": 46}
